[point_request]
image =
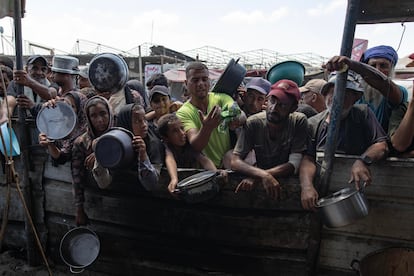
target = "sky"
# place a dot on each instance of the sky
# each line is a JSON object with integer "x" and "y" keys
{"x": 288, "y": 27}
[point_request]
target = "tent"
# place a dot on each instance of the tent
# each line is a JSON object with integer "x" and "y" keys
{"x": 178, "y": 75}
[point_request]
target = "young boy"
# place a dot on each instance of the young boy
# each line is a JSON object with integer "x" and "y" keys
{"x": 178, "y": 152}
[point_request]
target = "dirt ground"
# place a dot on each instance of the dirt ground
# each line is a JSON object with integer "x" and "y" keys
{"x": 13, "y": 264}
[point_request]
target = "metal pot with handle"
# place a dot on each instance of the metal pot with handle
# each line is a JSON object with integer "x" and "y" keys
{"x": 390, "y": 261}
{"x": 198, "y": 187}
{"x": 343, "y": 207}
{"x": 79, "y": 248}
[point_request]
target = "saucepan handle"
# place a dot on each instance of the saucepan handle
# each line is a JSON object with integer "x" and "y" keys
{"x": 76, "y": 270}
{"x": 237, "y": 60}
{"x": 355, "y": 265}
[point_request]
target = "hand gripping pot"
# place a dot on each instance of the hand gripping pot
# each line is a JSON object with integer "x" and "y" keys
{"x": 343, "y": 207}
{"x": 198, "y": 187}
{"x": 108, "y": 72}
{"x": 79, "y": 248}
{"x": 114, "y": 148}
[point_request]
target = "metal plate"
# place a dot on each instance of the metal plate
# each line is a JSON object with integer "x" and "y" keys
{"x": 57, "y": 122}
{"x": 196, "y": 179}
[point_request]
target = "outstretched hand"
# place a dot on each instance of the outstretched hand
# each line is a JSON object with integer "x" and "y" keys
{"x": 213, "y": 118}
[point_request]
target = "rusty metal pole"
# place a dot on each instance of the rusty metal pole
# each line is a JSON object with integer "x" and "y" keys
{"x": 352, "y": 13}
{"x": 22, "y": 165}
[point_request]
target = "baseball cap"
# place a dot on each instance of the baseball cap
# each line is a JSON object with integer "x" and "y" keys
{"x": 7, "y": 61}
{"x": 33, "y": 58}
{"x": 159, "y": 89}
{"x": 285, "y": 89}
{"x": 353, "y": 82}
{"x": 259, "y": 84}
{"x": 313, "y": 85}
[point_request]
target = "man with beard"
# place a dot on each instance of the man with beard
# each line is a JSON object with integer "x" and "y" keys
{"x": 376, "y": 68}
{"x": 278, "y": 137}
{"x": 201, "y": 116}
{"x": 36, "y": 86}
{"x": 359, "y": 134}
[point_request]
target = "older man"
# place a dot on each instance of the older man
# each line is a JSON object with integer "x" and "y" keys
{"x": 376, "y": 68}
{"x": 360, "y": 134}
{"x": 311, "y": 94}
{"x": 278, "y": 137}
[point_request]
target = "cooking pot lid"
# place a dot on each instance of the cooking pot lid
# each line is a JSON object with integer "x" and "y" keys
{"x": 108, "y": 72}
{"x": 336, "y": 197}
{"x": 196, "y": 179}
{"x": 56, "y": 122}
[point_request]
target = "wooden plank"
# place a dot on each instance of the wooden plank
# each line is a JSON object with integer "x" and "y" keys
{"x": 337, "y": 251}
{"x": 125, "y": 248}
{"x": 16, "y": 211}
{"x": 392, "y": 178}
{"x": 386, "y": 219}
{"x": 60, "y": 172}
{"x": 269, "y": 229}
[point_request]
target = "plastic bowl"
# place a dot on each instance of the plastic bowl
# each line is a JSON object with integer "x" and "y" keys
{"x": 6, "y": 137}
{"x": 291, "y": 70}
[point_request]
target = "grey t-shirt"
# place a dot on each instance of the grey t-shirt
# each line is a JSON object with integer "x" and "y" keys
{"x": 270, "y": 152}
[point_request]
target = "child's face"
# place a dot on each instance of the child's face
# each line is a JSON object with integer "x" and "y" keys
{"x": 139, "y": 124}
{"x": 176, "y": 134}
{"x": 160, "y": 104}
{"x": 99, "y": 117}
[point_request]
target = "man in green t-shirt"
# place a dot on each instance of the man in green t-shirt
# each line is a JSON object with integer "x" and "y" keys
{"x": 201, "y": 116}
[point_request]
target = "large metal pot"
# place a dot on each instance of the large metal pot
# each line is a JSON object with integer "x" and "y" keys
{"x": 108, "y": 72}
{"x": 392, "y": 261}
{"x": 198, "y": 187}
{"x": 79, "y": 248}
{"x": 343, "y": 207}
{"x": 231, "y": 78}
{"x": 114, "y": 148}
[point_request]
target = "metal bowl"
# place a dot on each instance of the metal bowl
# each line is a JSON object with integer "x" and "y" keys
{"x": 198, "y": 187}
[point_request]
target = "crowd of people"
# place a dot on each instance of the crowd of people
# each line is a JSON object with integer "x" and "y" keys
{"x": 273, "y": 130}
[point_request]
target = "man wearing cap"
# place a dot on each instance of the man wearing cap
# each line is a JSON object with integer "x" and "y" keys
{"x": 311, "y": 94}
{"x": 278, "y": 137}
{"x": 65, "y": 70}
{"x": 255, "y": 95}
{"x": 36, "y": 85}
{"x": 359, "y": 134}
{"x": 376, "y": 67}
{"x": 83, "y": 80}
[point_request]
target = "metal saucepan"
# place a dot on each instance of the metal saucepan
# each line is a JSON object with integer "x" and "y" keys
{"x": 114, "y": 148}
{"x": 108, "y": 72}
{"x": 343, "y": 207}
{"x": 79, "y": 248}
{"x": 231, "y": 78}
{"x": 198, "y": 187}
{"x": 390, "y": 261}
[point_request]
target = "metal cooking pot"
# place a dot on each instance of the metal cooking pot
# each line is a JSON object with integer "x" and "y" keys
{"x": 231, "y": 78}
{"x": 114, "y": 148}
{"x": 79, "y": 248}
{"x": 390, "y": 261}
{"x": 198, "y": 187}
{"x": 108, "y": 72}
{"x": 343, "y": 207}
